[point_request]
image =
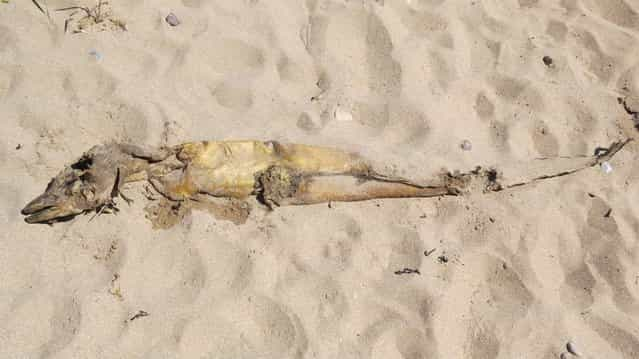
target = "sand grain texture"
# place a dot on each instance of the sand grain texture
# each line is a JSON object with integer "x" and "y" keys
{"x": 515, "y": 274}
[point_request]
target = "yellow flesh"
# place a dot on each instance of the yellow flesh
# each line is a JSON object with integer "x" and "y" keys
{"x": 228, "y": 168}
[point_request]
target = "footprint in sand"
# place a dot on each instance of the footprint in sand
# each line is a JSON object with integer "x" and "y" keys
{"x": 237, "y": 56}
{"x": 397, "y": 123}
{"x": 234, "y": 96}
{"x": 8, "y": 47}
{"x": 192, "y": 3}
{"x": 576, "y": 291}
{"x": 593, "y": 58}
{"x": 405, "y": 343}
{"x": 621, "y": 340}
{"x": 629, "y": 79}
{"x": 421, "y": 22}
{"x": 342, "y": 235}
{"x": 208, "y": 334}
{"x": 290, "y": 336}
{"x": 332, "y": 304}
{"x": 227, "y": 269}
{"x": 275, "y": 332}
{"x": 11, "y": 73}
{"x": 605, "y": 249}
{"x": 87, "y": 83}
{"x": 65, "y": 323}
{"x": 528, "y": 3}
{"x": 10, "y": 79}
{"x": 484, "y": 107}
{"x": 384, "y": 333}
{"x": 198, "y": 72}
{"x": 483, "y": 341}
{"x": 384, "y": 77}
{"x": 43, "y": 323}
{"x": 179, "y": 282}
{"x": 407, "y": 251}
{"x": 504, "y": 306}
{"x": 289, "y": 71}
{"x": 508, "y": 88}
{"x": 544, "y": 141}
{"x": 517, "y": 92}
{"x": 584, "y": 126}
{"x": 326, "y": 298}
{"x": 361, "y": 66}
{"x": 117, "y": 119}
{"x": 571, "y": 7}
{"x": 622, "y": 13}
{"x": 508, "y": 291}
{"x": 309, "y": 123}
{"x": 557, "y": 30}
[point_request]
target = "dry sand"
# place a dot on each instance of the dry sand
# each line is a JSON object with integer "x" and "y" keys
{"x": 528, "y": 270}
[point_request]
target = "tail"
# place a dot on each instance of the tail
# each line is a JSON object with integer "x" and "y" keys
{"x": 346, "y": 188}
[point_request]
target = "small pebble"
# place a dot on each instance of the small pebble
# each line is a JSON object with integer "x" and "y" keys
{"x": 96, "y": 54}
{"x": 466, "y": 145}
{"x": 606, "y": 167}
{"x": 570, "y": 347}
{"x": 547, "y": 61}
{"x": 172, "y": 20}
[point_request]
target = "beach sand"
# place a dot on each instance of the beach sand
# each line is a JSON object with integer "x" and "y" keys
{"x": 514, "y": 274}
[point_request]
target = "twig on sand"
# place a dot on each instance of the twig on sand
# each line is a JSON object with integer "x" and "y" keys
{"x": 601, "y": 156}
{"x": 44, "y": 10}
{"x": 407, "y": 271}
{"x": 139, "y": 314}
{"x": 35, "y": 2}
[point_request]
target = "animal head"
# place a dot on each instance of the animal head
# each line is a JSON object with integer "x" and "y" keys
{"x": 88, "y": 184}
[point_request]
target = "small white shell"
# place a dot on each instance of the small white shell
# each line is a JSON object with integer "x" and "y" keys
{"x": 606, "y": 167}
